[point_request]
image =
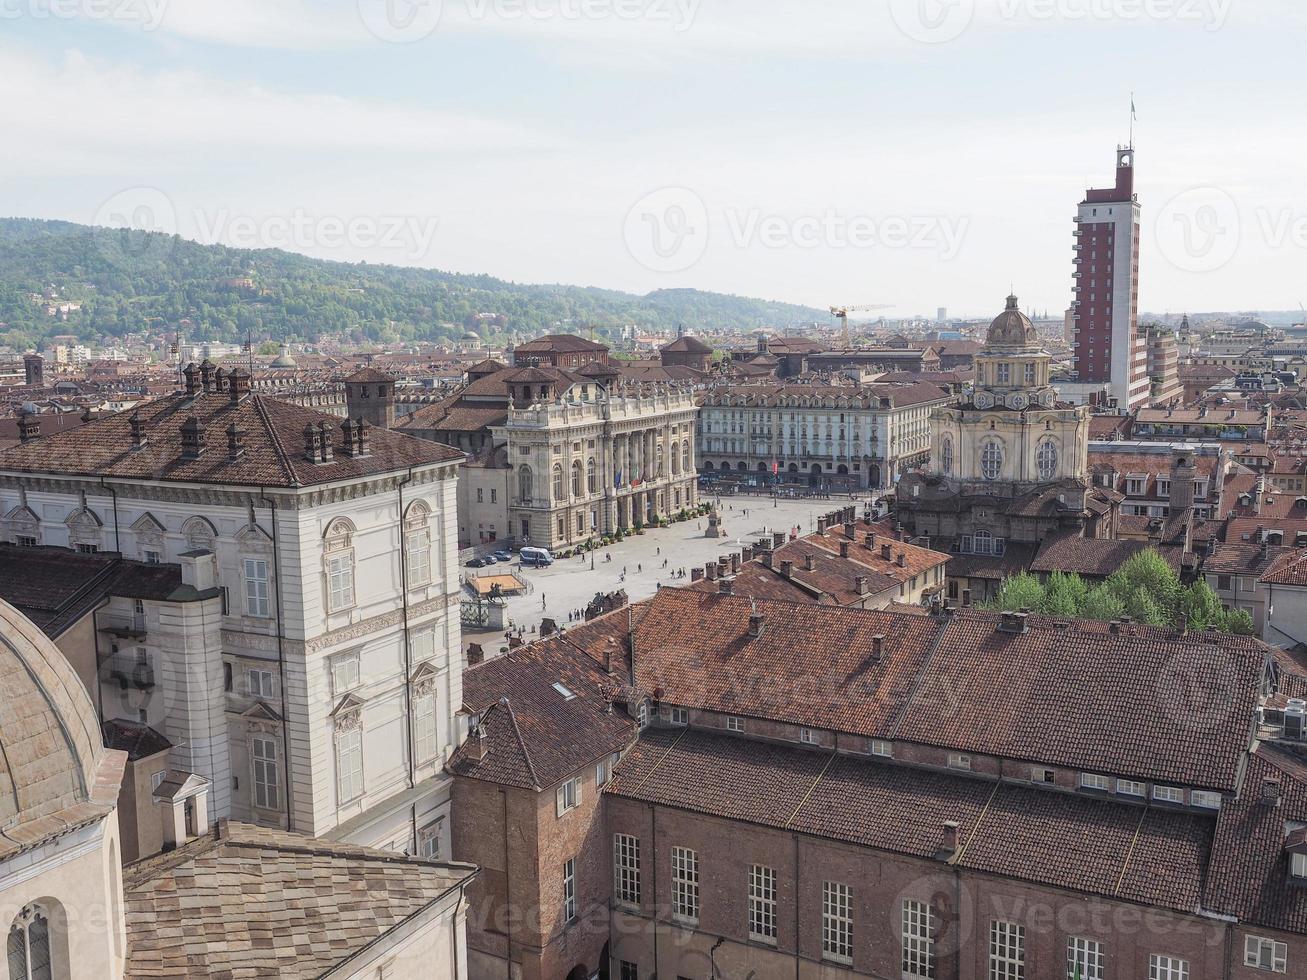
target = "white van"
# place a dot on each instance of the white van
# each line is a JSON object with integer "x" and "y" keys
{"x": 536, "y": 557}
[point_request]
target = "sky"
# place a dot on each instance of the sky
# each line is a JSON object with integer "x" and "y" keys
{"x": 908, "y": 154}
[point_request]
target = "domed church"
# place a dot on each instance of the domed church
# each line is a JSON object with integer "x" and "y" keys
{"x": 1008, "y": 464}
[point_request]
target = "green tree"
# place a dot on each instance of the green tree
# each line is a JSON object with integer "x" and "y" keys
{"x": 1147, "y": 573}
{"x": 1238, "y": 621}
{"x": 1022, "y": 591}
{"x": 1103, "y": 604}
{"x": 1064, "y": 595}
{"x": 1201, "y": 607}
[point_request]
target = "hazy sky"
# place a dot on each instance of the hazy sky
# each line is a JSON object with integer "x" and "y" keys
{"x": 919, "y": 153}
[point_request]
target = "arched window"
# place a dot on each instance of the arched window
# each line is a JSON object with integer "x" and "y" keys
{"x": 558, "y": 481}
{"x": 28, "y": 946}
{"x": 524, "y": 484}
{"x": 591, "y": 475}
{"x": 946, "y": 456}
{"x": 1046, "y": 459}
{"x": 991, "y": 460}
{"x": 658, "y": 462}
{"x": 685, "y": 456}
{"x": 576, "y": 479}
{"x": 983, "y": 542}
{"x": 676, "y": 461}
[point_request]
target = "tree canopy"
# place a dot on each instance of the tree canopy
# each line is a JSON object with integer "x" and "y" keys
{"x": 1145, "y": 588}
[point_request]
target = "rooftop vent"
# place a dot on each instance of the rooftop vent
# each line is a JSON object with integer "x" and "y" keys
{"x": 1295, "y": 718}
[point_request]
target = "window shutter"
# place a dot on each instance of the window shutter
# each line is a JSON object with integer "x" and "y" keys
{"x": 579, "y": 783}
{"x": 558, "y": 802}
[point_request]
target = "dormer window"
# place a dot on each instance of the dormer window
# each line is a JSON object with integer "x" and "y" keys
{"x": 1298, "y": 865}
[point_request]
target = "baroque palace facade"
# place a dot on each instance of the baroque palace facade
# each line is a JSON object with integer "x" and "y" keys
{"x": 318, "y": 692}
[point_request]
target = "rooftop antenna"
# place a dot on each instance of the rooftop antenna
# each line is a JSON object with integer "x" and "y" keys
{"x": 1133, "y": 117}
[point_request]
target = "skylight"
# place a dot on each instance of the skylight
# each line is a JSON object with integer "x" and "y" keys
{"x": 561, "y": 688}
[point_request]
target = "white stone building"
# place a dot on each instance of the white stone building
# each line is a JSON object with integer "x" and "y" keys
{"x": 327, "y": 704}
{"x": 855, "y": 437}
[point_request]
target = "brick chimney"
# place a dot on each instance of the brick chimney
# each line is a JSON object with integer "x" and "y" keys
{"x": 235, "y": 442}
{"x": 809, "y": 562}
{"x": 725, "y": 587}
{"x": 871, "y": 540}
{"x": 347, "y": 428}
{"x": 192, "y": 380}
{"x": 478, "y": 746}
{"x": 326, "y": 449}
{"x": 219, "y": 379}
{"x": 844, "y": 549}
{"x": 710, "y": 571}
{"x": 361, "y": 428}
{"x": 756, "y": 623}
{"x": 475, "y": 654}
{"x": 192, "y": 438}
{"x": 787, "y": 568}
{"x": 952, "y": 837}
{"x": 29, "y": 427}
{"x": 821, "y": 525}
{"x": 206, "y": 375}
{"x": 1271, "y": 791}
{"x": 901, "y": 560}
{"x": 138, "y": 432}
{"x": 238, "y": 386}
{"x": 878, "y": 645}
{"x": 887, "y": 552}
{"x": 860, "y": 583}
{"x": 1013, "y": 622}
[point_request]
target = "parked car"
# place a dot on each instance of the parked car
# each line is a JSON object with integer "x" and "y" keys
{"x": 504, "y": 556}
{"x": 477, "y": 563}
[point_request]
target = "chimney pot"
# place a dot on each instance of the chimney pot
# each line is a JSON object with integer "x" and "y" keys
{"x": 238, "y": 385}
{"x": 192, "y": 379}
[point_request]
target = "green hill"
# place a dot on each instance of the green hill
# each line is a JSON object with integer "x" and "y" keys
{"x": 128, "y": 282}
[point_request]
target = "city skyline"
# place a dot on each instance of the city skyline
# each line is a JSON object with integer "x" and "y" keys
{"x": 850, "y": 165}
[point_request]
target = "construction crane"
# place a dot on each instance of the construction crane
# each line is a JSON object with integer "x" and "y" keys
{"x": 843, "y": 313}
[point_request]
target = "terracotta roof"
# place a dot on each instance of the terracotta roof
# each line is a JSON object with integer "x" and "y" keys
{"x": 537, "y": 734}
{"x": 251, "y": 902}
{"x": 368, "y": 375}
{"x": 687, "y": 345}
{"x": 1095, "y": 846}
{"x": 1075, "y": 695}
{"x": 1239, "y": 558}
{"x": 273, "y": 436}
{"x": 562, "y": 343}
{"x": 1289, "y": 568}
{"x": 138, "y": 741}
{"x": 1097, "y": 557}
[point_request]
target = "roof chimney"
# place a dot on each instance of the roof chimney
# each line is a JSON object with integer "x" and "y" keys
{"x": 238, "y": 385}
{"x": 192, "y": 438}
{"x": 478, "y": 746}
{"x": 192, "y": 380}
{"x": 310, "y": 442}
{"x": 138, "y": 431}
{"x": 361, "y": 437}
{"x": 844, "y": 549}
{"x": 725, "y": 587}
{"x": 347, "y": 427}
{"x": 324, "y": 438}
{"x": 206, "y": 375}
{"x": 787, "y": 568}
{"x": 821, "y": 525}
{"x": 218, "y": 379}
{"x": 809, "y": 562}
{"x": 952, "y": 838}
{"x": 235, "y": 442}
{"x": 901, "y": 560}
{"x": 755, "y": 624}
{"x": 871, "y": 539}
{"x": 860, "y": 583}
{"x": 777, "y": 539}
{"x": 29, "y": 427}
{"x": 1013, "y": 622}
{"x": 1271, "y": 791}
{"x": 886, "y": 552}
{"x": 878, "y": 645}
{"x": 710, "y": 571}
{"x": 850, "y": 529}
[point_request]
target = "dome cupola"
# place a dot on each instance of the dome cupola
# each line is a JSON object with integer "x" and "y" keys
{"x": 1012, "y": 328}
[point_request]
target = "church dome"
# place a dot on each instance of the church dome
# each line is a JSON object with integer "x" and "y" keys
{"x": 284, "y": 360}
{"x": 1012, "y": 328}
{"x": 50, "y": 742}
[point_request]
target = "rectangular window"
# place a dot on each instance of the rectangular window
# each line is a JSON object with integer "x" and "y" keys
{"x": 345, "y": 672}
{"x": 1089, "y": 780}
{"x": 837, "y": 921}
{"x": 685, "y": 883}
{"x": 341, "y": 573}
{"x": 603, "y": 773}
{"x": 762, "y": 903}
{"x": 680, "y": 716}
{"x": 151, "y": 557}
{"x": 1129, "y": 787}
{"x": 267, "y": 791}
{"x": 256, "y": 587}
{"x": 157, "y": 778}
{"x": 424, "y": 728}
{"x": 734, "y": 723}
{"x": 259, "y": 683}
{"x": 1168, "y": 794}
{"x": 1203, "y": 798}
{"x": 1162, "y": 967}
{"x": 1007, "y": 951}
{"x": 918, "y": 940}
{"x": 881, "y": 747}
{"x": 1266, "y": 954}
{"x": 958, "y": 761}
{"x": 629, "y": 971}
{"x": 1298, "y": 866}
{"x": 808, "y": 736}
{"x": 349, "y": 765}
{"x": 417, "y": 555}
{"x": 88, "y": 549}
{"x": 569, "y": 890}
{"x": 568, "y": 796}
{"x": 1223, "y": 583}
{"x": 1004, "y": 373}
{"x": 626, "y": 869}
{"x": 1084, "y": 959}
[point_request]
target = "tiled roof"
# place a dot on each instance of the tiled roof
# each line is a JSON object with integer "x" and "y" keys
{"x": 1101, "y": 847}
{"x": 1238, "y": 558}
{"x": 1289, "y": 568}
{"x": 537, "y": 735}
{"x": 249, "y": 902}
{"x": 273, "y": 433}
{"x": 138, "y": 741}
{"x": 368, "y": 375}
{"x": 690, "y": 345}
{"x": 1098, "y": 557}
{"x": 1080, "y": 696}
{"x": 557, "y": 343}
